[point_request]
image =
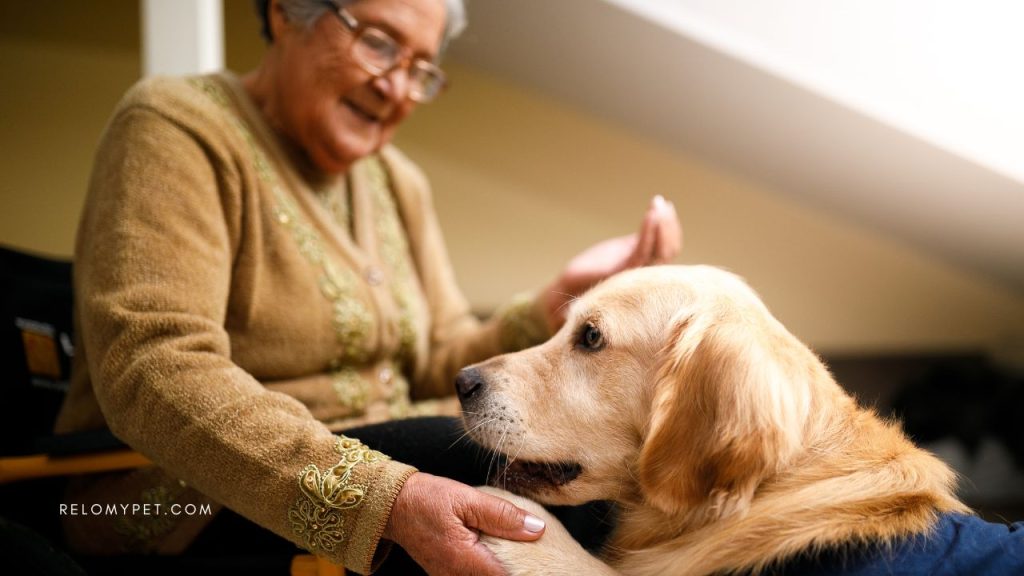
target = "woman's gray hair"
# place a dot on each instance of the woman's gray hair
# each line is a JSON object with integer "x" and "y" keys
{"x": 306, "y": 12}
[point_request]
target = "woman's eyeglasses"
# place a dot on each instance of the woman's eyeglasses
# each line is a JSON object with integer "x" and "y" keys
{"x": 378, "y": 53}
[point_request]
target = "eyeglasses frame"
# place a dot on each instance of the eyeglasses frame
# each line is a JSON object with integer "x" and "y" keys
{"x": 405, "y": 62}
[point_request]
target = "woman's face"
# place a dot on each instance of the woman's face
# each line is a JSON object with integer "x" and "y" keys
{"x": 325, "y": 102}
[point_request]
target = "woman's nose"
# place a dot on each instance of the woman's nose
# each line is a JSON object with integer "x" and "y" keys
{"x": 394, "y": 84}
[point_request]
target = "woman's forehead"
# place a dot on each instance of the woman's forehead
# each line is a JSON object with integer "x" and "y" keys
{"x": 419, "y": 24}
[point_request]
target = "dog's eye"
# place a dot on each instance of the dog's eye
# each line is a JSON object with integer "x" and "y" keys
{"x": 590, "y": 338}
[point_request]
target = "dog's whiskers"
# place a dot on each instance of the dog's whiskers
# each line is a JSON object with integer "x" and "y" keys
{"x": 469, "y": 430}
{"x": 494, "y": 457}
{"x": 499, "y": 452}
{"x": 512, "y": 458}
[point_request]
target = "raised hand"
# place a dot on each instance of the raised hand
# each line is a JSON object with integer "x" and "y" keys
{"x": 658, "y": 241}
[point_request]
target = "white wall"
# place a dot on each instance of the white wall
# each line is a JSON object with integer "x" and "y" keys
{"x": 947, "y": 71}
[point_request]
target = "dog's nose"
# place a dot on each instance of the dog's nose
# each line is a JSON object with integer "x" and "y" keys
{"x": 468, "y": 383}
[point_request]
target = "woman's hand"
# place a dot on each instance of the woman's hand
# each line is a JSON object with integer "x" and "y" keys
{"x": 659, "y": 240}
{"x": 438, "y": 522}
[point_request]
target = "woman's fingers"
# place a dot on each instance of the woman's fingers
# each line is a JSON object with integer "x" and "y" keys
{"x": 438, "y": 521}
{"x": 499, "y": 517}
{"x": 647, "y": 237}
{"x": 670, "y": 234}
{"x": 660, "y": 236}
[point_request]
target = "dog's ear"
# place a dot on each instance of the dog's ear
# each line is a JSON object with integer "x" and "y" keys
{"x": 728, "y": 411}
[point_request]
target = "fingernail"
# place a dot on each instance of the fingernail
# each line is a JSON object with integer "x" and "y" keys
{"x": 533, "y": 524}
{"x": 659, "y": 201}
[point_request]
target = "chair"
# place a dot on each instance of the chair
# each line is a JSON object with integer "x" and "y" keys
{"x": 35, "y": 360}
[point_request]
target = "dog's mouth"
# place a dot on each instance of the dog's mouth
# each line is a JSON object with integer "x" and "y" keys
{"x": 535, "y": 476}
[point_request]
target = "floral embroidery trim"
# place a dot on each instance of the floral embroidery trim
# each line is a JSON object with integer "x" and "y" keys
{"x": 351, "y": 319}
{"x": 394, "y": 250}
{"x": 317, "y": 517}
{"x": 351, "y": 389}
{"x": 400, "y": 403}
{"x": 521, "y": 326}
{"x": 335, "y": 201}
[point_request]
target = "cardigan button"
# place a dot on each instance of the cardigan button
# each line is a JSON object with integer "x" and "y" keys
{"x": 374, "y": 277}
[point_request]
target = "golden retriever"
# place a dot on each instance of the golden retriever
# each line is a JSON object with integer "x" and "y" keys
{"x": 724, "y": 440}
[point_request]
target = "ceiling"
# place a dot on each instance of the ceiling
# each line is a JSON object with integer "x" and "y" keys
{"x": 674, "y": 83}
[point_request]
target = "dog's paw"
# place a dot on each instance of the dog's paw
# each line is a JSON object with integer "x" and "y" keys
{"x": 556, "y": 553}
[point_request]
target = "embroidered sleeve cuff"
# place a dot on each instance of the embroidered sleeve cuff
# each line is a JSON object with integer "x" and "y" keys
{"x": 342, "y": 511}
{"x": 522, "y": 323}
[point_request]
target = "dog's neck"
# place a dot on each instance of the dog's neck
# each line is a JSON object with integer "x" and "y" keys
{"x": 858, "y": 483}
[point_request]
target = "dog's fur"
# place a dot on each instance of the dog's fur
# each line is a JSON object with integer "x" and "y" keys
{"x": 724, "y": 440}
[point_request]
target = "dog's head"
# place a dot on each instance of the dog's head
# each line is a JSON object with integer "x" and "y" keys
{"x": 673, "y": 384}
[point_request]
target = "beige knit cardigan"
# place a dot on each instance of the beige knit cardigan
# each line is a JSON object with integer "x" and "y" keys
{"x": 234, "y": 305}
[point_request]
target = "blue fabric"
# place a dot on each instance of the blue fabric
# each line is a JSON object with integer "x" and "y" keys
{"x": 960, "y": 544}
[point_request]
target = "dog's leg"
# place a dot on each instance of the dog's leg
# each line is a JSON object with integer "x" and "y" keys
{"x": 555, "y": 554}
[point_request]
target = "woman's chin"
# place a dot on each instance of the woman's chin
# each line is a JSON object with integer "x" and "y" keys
{"x": 340, "y": 157}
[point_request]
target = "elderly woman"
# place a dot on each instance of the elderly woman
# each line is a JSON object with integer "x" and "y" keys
{"x": 257, "y": 269}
